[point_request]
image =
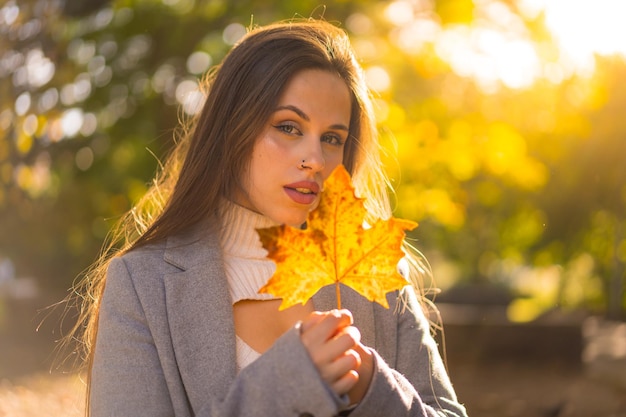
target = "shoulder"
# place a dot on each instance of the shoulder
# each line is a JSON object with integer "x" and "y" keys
{"x": 143, "y": 262}
{"x": 176, "y": 253}
{"x": 145, "y": 255}
{"x": 139, "y": 271}
{"x": 196, "y": 252}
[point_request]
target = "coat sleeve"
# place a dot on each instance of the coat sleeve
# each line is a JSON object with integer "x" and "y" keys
{"x": 127, "y": 377}
{"x": 281, "y": 382}
{"x": 418, "y": 385}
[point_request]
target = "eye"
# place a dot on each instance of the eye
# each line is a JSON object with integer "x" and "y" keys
{"x": 288, "y": 128}
{"x": 333, "y": 139}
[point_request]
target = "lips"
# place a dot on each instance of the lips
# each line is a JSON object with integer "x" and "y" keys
{"x": 302, "y": 192}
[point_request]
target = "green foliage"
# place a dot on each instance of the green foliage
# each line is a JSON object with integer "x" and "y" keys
{"x": 504, "y": 174}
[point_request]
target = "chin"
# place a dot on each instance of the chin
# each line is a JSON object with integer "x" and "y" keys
{"x": 296, "y": 221}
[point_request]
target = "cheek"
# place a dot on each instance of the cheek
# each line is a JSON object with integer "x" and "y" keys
{"x": 332, "y": 161}
{"x": 269, "y": 150}
{"x": 262, "y": 153}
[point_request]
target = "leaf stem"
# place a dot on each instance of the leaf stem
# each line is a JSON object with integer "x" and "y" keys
{"x": 338, "y": 292}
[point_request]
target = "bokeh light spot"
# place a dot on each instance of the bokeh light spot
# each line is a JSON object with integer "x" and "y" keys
{"x": 30, "y": 125}
{"x": 48, "y": 100}
{"x": 90, "y": 124}
{"x": 71, "y": 122}
{"x": 359, "y": 24}
{"x": 40, "y": 69}
{"x": 84, "y": 158}
{"x": 399, "y": 12}
{"x": 233, "y": 32}
{"x": 378, "y": 78}
{"x": 9, "y": 13}
{"x": 189, "y": 95}
{"x": 22, "y": 103}
{"x": 198, "y": 62}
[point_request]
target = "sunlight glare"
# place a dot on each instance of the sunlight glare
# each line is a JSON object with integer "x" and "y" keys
{"x": 516, "y": 63}
{"x": 498, "y": 50}
{"x": 399, "y": 12}
{"x": 412, "y": 37}
{"x": 378, "y": 78}
{"x": 489, "y": 56}
{"x": 583, "y": 29}
{"x": 531, "y": 8}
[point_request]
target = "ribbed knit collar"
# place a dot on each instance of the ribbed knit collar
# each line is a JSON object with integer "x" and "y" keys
{"x": 245, "y": 260}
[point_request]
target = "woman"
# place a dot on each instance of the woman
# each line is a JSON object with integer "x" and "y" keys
{"x": 175, "y": 326}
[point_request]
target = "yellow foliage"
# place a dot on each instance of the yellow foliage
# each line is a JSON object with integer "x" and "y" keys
{"x": 439, "y": 204}
{"x": 488, "y": 193}
{"x": 24, "y": 143}
{"x": 396, "y": 117}
{"x": 505, "y": 154}
{"x": 529, "y": 173}
{"x": 504, "y": 146}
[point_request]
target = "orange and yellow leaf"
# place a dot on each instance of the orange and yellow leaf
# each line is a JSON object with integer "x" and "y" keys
{"x": 336, "y": 248}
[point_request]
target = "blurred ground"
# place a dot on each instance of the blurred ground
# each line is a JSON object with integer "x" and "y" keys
{"x": 42, "y": 395}
{"x": 503, "y": 391}
{"x": 514, "y": 390}
{"x": 561, "y": 365}
{"x": 491, "y": 380}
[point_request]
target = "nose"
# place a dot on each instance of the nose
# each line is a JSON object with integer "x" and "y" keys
{"x": 313, "y": 156}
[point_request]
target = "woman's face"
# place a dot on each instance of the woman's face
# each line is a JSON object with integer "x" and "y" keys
{"x": 303, "y": 141}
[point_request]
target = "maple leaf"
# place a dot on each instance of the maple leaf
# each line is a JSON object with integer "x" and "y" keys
{"x": 336, "y": 248}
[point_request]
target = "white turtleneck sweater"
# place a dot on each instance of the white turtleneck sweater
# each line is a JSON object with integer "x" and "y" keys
{"x": 245, "y": 261}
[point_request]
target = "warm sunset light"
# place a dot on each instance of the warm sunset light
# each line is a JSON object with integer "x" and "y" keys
{"x": 584, "y": 28}
{"x": 497, "y": 126}
{"x": 497, "y": 49}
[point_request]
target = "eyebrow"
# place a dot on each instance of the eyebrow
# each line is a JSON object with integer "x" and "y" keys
{"x": 304, "y": 116}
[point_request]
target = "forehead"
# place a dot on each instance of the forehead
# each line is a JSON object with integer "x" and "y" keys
{"x": 318, "y": 91}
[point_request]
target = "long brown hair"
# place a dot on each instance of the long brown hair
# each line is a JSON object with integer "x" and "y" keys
{"x": 243, "y": 92}
{"x": 216, "y": 146}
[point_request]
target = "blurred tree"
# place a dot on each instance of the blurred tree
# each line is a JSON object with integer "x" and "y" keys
{"x": 90, "y": 96}
{"x": 80, "y": 8}
{"x": 509, "y": 155}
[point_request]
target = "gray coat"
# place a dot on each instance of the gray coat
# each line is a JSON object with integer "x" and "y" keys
{"x": 166, "y": 347}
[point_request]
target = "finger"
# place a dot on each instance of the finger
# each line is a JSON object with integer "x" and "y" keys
{"x": 331, "y": 350}
{"x": 346, "y": 338}
{"x": 325, "y": 328}
{"x": 351, "y": 333}
{"x": 365, "y": 371}
{"x": 344, "y": 384}
{"x": 335, "y": 370}
{"x": 313, "y": 318}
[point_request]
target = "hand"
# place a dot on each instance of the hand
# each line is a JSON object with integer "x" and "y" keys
{"x": 331, "y": 340}
{"x": 365, "y": 371}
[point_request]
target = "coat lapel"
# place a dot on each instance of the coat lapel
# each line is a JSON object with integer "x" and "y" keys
{"x": 200, "y": 316}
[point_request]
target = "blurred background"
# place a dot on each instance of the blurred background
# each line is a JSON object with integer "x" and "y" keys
{"x": 505, "y": 128}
